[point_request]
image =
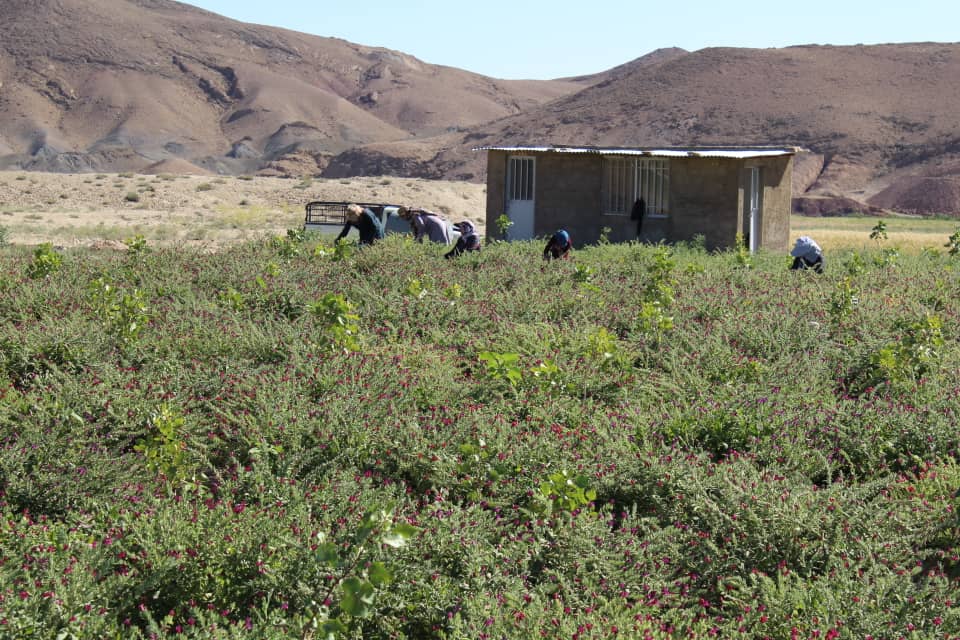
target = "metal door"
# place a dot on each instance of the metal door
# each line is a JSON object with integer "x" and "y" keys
{"x": 520, "y": 202}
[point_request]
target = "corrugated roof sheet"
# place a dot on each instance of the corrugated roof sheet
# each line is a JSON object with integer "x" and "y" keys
{"x": 665, "y": 152}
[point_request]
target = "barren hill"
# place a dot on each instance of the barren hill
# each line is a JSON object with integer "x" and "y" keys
{"x": 871, "y": 115}
{"x": 146, "y": 85}
{"x": 123, "y": 84}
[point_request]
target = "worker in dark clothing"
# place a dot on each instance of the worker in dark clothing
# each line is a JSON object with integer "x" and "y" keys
{"x": 558, "y": 246}
{"x": 637, "y": 213}
{"x": 366, "y": 222}
{"x": 469, "y": 239}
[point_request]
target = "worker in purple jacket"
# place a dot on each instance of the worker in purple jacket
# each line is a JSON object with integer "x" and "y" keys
{"x": 426, "y": 223}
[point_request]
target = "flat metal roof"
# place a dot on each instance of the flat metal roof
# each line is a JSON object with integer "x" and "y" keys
{"x": 661, "y": 152}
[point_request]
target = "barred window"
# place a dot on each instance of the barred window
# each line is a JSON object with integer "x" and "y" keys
{"x": 618, "y": 185}
{"x": 520, "y": 178}
{"x": 625, "y": 180}
{"x": 653, "y": 179}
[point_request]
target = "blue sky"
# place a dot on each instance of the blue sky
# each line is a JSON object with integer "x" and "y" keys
{"x": 542, "y": 40}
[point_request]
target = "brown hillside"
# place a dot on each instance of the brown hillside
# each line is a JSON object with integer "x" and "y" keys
{"x": 870, "y": 111}
{"x": 922, "y": 195}
{"x": 123, "y": 84}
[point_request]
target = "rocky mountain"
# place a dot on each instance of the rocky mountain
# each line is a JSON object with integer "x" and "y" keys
{"x": 129, "y": 84}
{"x": 880, "y": 121}
{"x": 158, "y": 85}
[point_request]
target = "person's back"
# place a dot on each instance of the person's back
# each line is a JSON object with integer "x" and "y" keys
{"x": 558, "y": 246}
{"x": 371, "y": 229}
{"x": 432, "y": 226}
{"x": 368, "y": 225}
{"x": 807, "y": 254}
{"x": 469, "y": 240}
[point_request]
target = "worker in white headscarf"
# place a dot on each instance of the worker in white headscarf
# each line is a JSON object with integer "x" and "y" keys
{"x": 807, "y": 254}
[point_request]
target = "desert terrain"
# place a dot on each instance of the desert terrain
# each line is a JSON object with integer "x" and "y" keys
{"x": 198, "y": 93}
{"x": 102, "y": 209}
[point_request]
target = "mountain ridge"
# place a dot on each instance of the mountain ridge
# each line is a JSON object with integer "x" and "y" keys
{"x": 135, "y": 85}
{"x": 119, "y": 83}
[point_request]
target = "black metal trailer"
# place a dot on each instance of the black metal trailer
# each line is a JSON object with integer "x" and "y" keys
{"x": 329, "y": 217}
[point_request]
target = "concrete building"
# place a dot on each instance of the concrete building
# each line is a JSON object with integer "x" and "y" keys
{"x": 716, "y": 192}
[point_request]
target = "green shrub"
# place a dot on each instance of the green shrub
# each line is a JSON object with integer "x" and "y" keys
{"x": 45, "y": 261}
{"x": 278, "y": 440}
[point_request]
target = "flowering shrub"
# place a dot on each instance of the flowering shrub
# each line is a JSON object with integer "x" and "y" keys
{"x": 311, "y": 441}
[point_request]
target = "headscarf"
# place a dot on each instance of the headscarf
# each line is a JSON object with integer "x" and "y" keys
{"x": 807, "y": 248}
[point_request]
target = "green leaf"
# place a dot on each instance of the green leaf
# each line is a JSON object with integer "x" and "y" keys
{"x": 332, "y": 629}
{"x": 357, "y": 597}
{"x": 398, "y": 535}
{"x": 379, "y": 574}
{"x": 327, "y": 554}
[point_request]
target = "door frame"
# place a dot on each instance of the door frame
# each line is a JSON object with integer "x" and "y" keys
{"x": 752, "y": 206}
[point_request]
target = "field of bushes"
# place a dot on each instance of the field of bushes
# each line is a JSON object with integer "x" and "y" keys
{"x": 288, "y": 439}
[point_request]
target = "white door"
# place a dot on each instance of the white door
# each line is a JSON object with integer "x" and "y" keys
{"x": 520, "y": 183}
{"x": 753, "y": 207}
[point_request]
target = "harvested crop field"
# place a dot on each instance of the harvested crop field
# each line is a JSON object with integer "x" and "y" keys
{"x": 99, "y": 209}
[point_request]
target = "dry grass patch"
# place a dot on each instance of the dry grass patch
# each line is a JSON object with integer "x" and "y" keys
{"x": 911, "y": 235}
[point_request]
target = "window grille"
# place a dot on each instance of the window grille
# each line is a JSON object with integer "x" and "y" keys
{"x": 520, "y": 177}
{"x": 619, "y": 188}
{"x": 627, "y": 179}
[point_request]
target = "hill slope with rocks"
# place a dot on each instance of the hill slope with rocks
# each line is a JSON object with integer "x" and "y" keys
{"x": 92, "y": 85}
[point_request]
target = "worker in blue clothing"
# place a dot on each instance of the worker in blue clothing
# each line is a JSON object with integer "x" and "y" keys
{"x": 558, "y": 246}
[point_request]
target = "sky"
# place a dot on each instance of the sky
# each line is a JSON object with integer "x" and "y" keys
{"x": 534, "y": 39}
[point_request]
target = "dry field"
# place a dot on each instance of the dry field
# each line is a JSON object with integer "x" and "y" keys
{"x": 72, "y": 210}
{"x": 906, "y": 233}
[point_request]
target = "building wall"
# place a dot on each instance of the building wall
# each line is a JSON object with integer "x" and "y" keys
{"x": 709, "y": 195}
{"x": 703, "y": 200}
{"x": 706, "y": 198}
{"x": 568, "y": 196}
{"x": 496, "y": 184}
{"x": 777, "y": 177}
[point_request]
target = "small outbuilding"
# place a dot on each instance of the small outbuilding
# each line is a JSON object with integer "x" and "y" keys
{"x": 668, "y": 194}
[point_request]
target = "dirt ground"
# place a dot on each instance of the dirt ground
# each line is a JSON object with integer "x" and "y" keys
{"x": 101, "y": 210}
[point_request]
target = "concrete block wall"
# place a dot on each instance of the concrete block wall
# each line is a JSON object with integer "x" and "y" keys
{"x": 703, "y": 200}
{"x": 706, "y": 198}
